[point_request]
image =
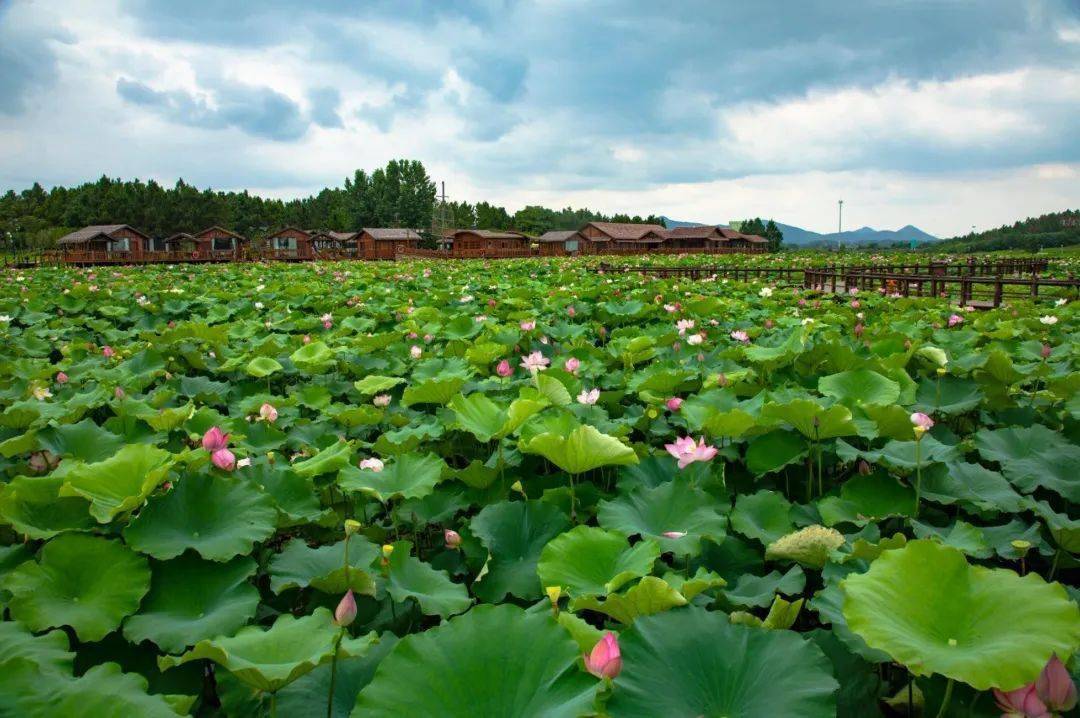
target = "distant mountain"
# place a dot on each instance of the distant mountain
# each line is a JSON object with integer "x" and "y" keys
{"x": 864, "y": 235}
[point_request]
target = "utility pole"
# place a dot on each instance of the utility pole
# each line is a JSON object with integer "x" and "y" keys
{"x": 840, "y": 224}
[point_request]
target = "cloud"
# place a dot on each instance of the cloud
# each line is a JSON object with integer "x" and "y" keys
{"x": 324, "y": 103}
{"x": 28, "y": 60}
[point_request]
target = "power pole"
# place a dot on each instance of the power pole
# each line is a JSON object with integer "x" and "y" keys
{"x": 840, "y": 224}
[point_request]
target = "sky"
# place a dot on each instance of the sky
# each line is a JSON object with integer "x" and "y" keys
{"x": 943, "y": 114}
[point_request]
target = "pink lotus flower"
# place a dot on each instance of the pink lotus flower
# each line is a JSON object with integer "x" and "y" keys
{"x": 528, "y": 325}
{"x": 695, "y": 339}
{"x": 1055, "y": 686}
{"x": 1044, "y": 353}
{"x": 415, "y": 352}
{"x": 118, "y": 392}
{"x": 588, "y": 397}
{"x": 307, "y": 339}
{"x": 504, "y": 369}
{"x": 673, "y": 534}
{"x": 740, "y": 336}
{"x": 535, "y": 362}
{"x": 605, "y": 660}
{"x": 214, "y": 440}
{"x": 684, "y": 324}
{"x": 345, "y": 613}
{"x": 452, "y": 538}
{"x": 327, "y": 325}
{"x": 107, "y": 351}
{"x": 922, "y": 421}
{"x": 1021, "y": 703}
{"x": 61, "y": 378}
{"x": 223, "y": 459}
{"x": 267, "y": 412}
{"x": 572, "y": 365}
{"x": 955, "y": 319}
{"x": 674, "y": 403}
{"x": 571, "y": 311}
{"x": 858, "y": 330}
{"x": 372, "y": 464}
{"x": 687, "y": 452}
{"x": 381, "y": 400}
{"x": 855, "y": 304}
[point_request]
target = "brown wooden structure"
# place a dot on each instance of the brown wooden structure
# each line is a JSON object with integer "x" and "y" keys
{"x": 488, "y": 243}
{"x": 559, "y": 243}
{"x": 287, "y": 244}
{"x": 599, "y": 237}
{"x": 220, "y": 244}
{"x": 387, "y": 242}
{"x": 105, "y": 240}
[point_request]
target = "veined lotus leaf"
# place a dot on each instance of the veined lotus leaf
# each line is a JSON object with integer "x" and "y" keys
{"x": 703, "y": 580}
{"x": 270, "y": 659}
{"x": 972, "y": 485}
{"x": 864, "y": 550}
{"x": 674, "y": 506}
{"x": 262, "y": 367}
{"x": 119, "y": 483}
{"x": 765, "y": 516}
{"x": 168, "y": 419}
{"x": 750, "y": 590}
{"x": 950, "y": 395}
{"x": 860, "y": 386}
{"x": 323, "y": 567}
{"x": 85, "y": 441}
{"x": 330, "y": 460}
{"x": 191, "y": 599}
{"x": 306, "y": 697}
{"x": 49, "y": 651}
{"x": 515, "y": 533}
{"x": 801, "y": 414}
{"x": 891, "y": 421}
{"x": 1034, "y": 456}
{"x": 582, "y": 450}
{"x": 960, "y": 535}
{"x": 411, "y": 476}
{"x": 536, "y": 677}
{"x": 693, "y": 662}
{"x": 294, "y": 495}
{"x": 930, "y": 610}
{"x": 733, "y": 423}
{"x": 773, "y": 451}
{"x": 810, "y": 546}
{"x": 432, "y": 391}
{"x": 86, "y": 582}
{"x": 1065, "y": 530}
{"x": 373, "y": 384}
{"x": 33, "y": 507}
{"x": 313, "y": 358}
{"x": 217, "y": 516}
{"x": 650, "y": 595}
{"x": 590, "y": 561}
{"x": 553, "y": 390}
{"x": 479, "y": 415}
{"x": 409, "y": 577}
{"x": 583, "y": 633}
{"x": 104, "y": 691}
{"x": 867, "y": 498}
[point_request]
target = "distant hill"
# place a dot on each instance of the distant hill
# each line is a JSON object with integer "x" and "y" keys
{"x": 865, "y": 235}
{"x": 1057, "y": 229}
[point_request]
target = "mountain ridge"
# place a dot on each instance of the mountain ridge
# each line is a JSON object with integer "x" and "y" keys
{"x": 864, "y": 235}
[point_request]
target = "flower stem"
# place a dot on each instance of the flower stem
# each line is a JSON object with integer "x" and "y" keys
{"x": 918, "y": 474}
{"x": 945, "y": 700}
{"x": 333, "y": 669}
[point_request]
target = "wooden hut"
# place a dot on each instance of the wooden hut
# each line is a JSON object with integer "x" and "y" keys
{"x": 489, "y": 243}
{"x": 290, "y": 243}
{"x": 559, "y": 242}
{"x": 105, "y": 241}
{"x": 386, "y": 242}
{"x": 601, "y": 237}
{"x": 695, "y": 238}
{"x": 180, "y": 243}
{"x": 219, "y": 243}
{"x": 738, "y": 240}
{"x": 335, "y": 245}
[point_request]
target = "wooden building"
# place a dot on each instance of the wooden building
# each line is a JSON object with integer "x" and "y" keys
{"x": 489, "y": 243}
{"x": 290, "y": 243}
{"x": 106, "y": 239}
{"x": 179, "y": 243}
{"x": 335, "y": 245}
{"x": 738, "y": 240}
{"x": 386, "y": 242}
{"x": 695, "y": 238}
{"x": 219, "y": 243}
{"x": 600, "y": 237}
{"x": 559, "y": 242}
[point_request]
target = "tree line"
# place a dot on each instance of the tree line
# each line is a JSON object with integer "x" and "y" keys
{"x": 768, "y": 230}
{"x": 1057, "y": 229}
{"x": 398, "y": 195}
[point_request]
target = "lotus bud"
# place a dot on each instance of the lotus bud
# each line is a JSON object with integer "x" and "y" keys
{"x": 504, "y": 369}
{"x": 1045, "y": 352}
{"x": 351, "y": 527}
{"x": 381, "y": 401}
{"x": 61, "y": 378}
{"x": 570, "y": 310}
{"x": 452, "y": 538}
{"x": 415, "y": 352}
{"x": 858, "y": 330}
{"x": 922, "y": 423}
{"x": 516, "y": 486}
{"x": 214, "y": 440}
{"x": 674, "y": 403}
{"x": 605, "y": 660}
{"x": 37, "y": 463}
{"x": 864, "y": 467}
{"x": 345, "y": 613}
{"x": 268, "y": 413}
{"x": 107, "y": 351}
{"x": 118, "y": 392}
{"x": 572, "y": 365}
{"x": 307, "y": 339}
{"x": 1055, "y": 686}
{"x": 673, "y": 534}
{"x": 223, "y": 459}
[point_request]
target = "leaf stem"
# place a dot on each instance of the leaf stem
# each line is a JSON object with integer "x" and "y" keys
{"x": 945, "y": 700}
{"x": 918, "y": 473}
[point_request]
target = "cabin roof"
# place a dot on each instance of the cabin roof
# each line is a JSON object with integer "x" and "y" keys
{"x": 97, "y": 230}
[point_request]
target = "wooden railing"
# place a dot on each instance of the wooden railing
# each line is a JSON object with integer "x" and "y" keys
{"x": 973, "y": 290}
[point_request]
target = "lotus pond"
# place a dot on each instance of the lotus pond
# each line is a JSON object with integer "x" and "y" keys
{"x": 520, "y": 489}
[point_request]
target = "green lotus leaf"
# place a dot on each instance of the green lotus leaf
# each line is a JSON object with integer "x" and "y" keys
{"x": 514, "y": 533}
{"x": 867, "y": 498}
{"x": 553, "y": 390}
{"x": 1065, "y": 530}
{"x": 432, "y": 391}
{"x": 960, "y": 535}
{"x": 104, "y": 691}
{"x": 950, "y": 395}
{"x": 650, "y": 595}
{"x": 672, "y": 506}
{"x": 306, "y": 697}
{"x": 330, "y": 460}
{"x": 411, "y": 476}
{"x": 773, "y": 451}
{"x": 34, "y": 508}
{"x": 191, "y": 599}
{"x": 479, "y": 415}
{"x": 270, "y": 659}
{"x": 860, "y": 386}
{"x": 409, "y": 577}
{"x": 582, "y": 450}
{"x": 374, "y": 384}
{"x": 217, "y": 516}
{"x": 765, "y": 516}
{"x": 85, "y": 441}
{"x": 119, "y": 483}
{"x": 802, "y": 413}
{"x": 323, "y": 567}
{"x": 750, "y": 590}
{"x": 49, "y": 651}
{"x": 733, "y": 423}
{"x": 86, "y": 582}
{"x": 493, "y": 661}
{"x": 692, "y": 662}
{"x": 294, "y": 495}
{"x": 930, "y": 610}
{"x": 313, "y": 358}
{"x": 1032, "y": 457}
{"x": 169, "y": 418}
{"x": 262, "y": 367}
{"x": 971, "y": 485}
{"x": 590, "y": 561}
{"x": 702, "y": 580}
